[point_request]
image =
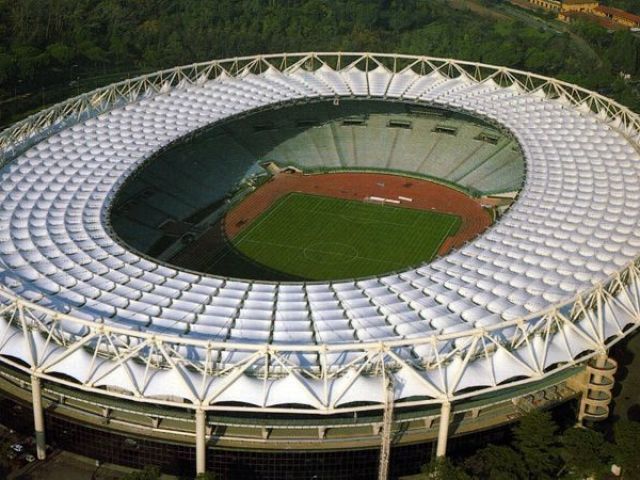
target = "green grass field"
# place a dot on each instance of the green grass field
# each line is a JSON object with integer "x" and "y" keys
{"x": 322, "y": 238}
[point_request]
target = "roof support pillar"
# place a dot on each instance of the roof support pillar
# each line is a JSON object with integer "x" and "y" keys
{"x": 201, "y": 441}
{"x": 38, "y": 418}
{"x": 443, "y": 429}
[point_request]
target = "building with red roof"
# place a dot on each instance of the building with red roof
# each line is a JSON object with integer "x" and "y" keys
{"x": 619, "y": 16}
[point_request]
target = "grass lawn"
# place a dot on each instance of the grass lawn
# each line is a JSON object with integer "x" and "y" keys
{"x": 322, "y": 238}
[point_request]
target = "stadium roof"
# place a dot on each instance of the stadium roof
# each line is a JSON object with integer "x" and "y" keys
{"x": 554, "y": 280}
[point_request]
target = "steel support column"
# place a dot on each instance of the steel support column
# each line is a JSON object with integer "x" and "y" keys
{"x": 387, "y": 425}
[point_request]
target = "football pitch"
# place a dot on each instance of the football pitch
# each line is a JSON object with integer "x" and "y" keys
{"x": 322, "y": 238}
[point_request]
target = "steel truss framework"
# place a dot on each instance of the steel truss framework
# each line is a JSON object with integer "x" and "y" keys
{"x": 572, "y": 331}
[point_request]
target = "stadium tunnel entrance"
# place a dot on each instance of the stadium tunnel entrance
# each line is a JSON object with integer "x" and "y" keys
{"x": 322, "y": 190}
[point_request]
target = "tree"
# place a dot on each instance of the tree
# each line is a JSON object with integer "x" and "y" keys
{"x": 534, "y": 439}
{"x": 207, "y": 476}
{"x": 149, "y": 472}
{"x": 441, "y": 468}
{"x": 61, "y": 53}
{"x": 6, "y": 67}
{"x": 497, "y": 463}
{"x": 38, "y": 45}
{"x": 627, "y": 445}
{"x": 585, "y": 453}
{"x": 623, "y": 52}
{"x": 30, "y": 61}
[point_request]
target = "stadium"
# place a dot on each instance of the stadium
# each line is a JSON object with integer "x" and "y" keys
{"x": 314, "y": 265}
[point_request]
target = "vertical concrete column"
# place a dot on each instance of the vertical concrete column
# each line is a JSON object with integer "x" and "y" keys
{"x": 443, "y": 429}
{"x": 38, "y": 418}
{"x": 201, "y": 441}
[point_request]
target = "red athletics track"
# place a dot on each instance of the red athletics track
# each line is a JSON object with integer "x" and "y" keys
{"x": 426, "y": 195}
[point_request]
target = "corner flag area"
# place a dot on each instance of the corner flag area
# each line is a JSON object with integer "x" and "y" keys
{"x": 321, "y": 238}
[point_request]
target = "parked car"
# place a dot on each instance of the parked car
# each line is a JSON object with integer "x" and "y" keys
{"x": 17, "y": 447}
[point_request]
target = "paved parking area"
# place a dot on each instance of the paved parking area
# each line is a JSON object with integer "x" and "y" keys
{"x": 67, "y": 466}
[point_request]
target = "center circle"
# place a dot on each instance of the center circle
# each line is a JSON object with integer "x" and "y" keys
{"x": 328, "y": 253}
